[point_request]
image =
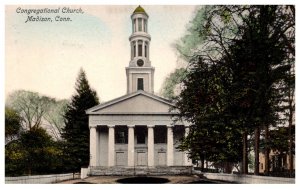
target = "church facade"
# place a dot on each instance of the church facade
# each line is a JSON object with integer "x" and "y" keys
{"x": 135, "y": 133}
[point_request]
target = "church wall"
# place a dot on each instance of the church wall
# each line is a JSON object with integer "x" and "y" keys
{"x": 103, "y": 146}
{"x": 141, "y": 151}
{"x": 178, "y": 154}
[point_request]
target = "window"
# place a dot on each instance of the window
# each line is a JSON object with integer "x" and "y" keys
{"x": 141, "y": 133}
{"x": 140, "y": 46}
{"x": 133, "y": 26}
{"x": 146, "y": 50}
{"x": 134, "y": 51}
{"x": 140, "y": 84}
{"x": 121, "y": 135}
{"x": 145, "y": 25}
{"x": 160, "y": 134}
{"x": 139, "y": 24}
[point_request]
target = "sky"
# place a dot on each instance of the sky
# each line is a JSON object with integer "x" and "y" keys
{"x": 45, "y": 57}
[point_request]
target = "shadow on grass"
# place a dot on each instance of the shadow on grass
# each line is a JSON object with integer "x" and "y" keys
{"x": 83, "y": 182}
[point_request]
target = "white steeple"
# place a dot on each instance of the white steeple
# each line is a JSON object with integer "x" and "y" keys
{"x": 140, "y": 73}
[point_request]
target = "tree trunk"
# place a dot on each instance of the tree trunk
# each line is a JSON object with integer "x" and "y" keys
{"x": 267, "y": 151}
{"x": 245, "y": 153}
{"x": 256, "y": 150}
{"x": 291, "y": 168}
{"x": 202, "y": 163}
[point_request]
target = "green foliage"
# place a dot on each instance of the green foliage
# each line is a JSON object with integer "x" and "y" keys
{"x": 55, "y": 117}
{"x": 34, "y": 152}
{"x": 171, "y": 82}
{"x": 12, "y": 123}
{"x": 235, "y": 77}
{"x": 14, "y": 159}
{"x": 76, "y": 131}
{"x": 29, "y": 149}
{"x": 280, "y": 140}
{"x": 31, "y": 106}
{"x": 191, "y": 42}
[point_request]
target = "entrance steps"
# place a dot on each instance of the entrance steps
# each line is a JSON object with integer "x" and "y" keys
{"x": 139, "y": 171}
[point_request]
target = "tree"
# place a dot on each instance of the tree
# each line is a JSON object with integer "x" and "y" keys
{"x": 34, "y": 142}
{"x": 202, "y": 102}
{"x": 36, "y": 110}
{"x": 250, "y": 44}
{"x": 12, "y": 124}
{"x": 76, "y": 131}
{"x": 31, "y": 106}
{"x": 34, "y": 152}
{"x": 172, "y": 82}
{"x": 54, "y": 117}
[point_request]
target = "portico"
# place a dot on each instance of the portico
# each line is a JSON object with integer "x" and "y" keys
{"x": 143, "y": 136}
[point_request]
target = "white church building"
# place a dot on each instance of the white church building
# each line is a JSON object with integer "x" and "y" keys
{"x": 135, "y": 134}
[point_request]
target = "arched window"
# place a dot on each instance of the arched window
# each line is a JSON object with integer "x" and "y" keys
{"x": 145, "y": 25}
{"x": 139, "y": 24}
{"x": 146, "y": 49}
{"x": 134, "y": 25}
{"x": 140, "y": 48}
{"x": 134, "y": 49}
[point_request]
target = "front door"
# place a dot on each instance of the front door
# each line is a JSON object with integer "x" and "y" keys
{"x": 161, "y": 158}
{"x": 120, "y": 159}
{"x": 141, "y": 159}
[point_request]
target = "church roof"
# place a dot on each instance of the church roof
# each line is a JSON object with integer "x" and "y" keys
{"x": 127, "y": 97}
{"x": 139, "y": 9}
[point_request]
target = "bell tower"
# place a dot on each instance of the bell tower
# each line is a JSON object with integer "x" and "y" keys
{"x": 140, "y": 73}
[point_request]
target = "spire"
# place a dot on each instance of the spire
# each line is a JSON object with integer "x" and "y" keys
{"x": 140, "y": 73}
{"x": 139, "y": 9}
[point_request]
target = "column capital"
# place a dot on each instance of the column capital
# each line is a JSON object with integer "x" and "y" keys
{"x": 150, "y": 126}
{"x": 93, "y": 126}
{"x": 186, "y": 126}
{"x": 130, "y": 126}
{"x": 169, "y": 126}
{"x": 111, "y": 126}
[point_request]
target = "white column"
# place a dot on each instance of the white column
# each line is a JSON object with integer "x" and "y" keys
{"x": 136, "y": 25}
{"x": 131, "y": 52}
{"x": 187, "y": 161}
{"x": 93, "y": 145}
{"x": 130, "y": 145}
{"x": 111, "y": 145}
{"x": 150, "y": 145}
{"x": 170, "y": 148}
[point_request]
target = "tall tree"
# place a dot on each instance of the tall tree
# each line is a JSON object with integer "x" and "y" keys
{"x": 54, "y": 118}
{"x": 31, "y": 106}
{"x": 250, "y": 43}
{"x": 12, "y": 124}
{"x": 76, "y": 131}
{"x": 171, "y": 86}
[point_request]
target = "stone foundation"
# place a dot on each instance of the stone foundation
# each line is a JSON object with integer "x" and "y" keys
{"x": 139, "y": 171}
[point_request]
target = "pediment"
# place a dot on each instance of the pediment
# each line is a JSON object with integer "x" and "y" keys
{"x": 139, "y": 102}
